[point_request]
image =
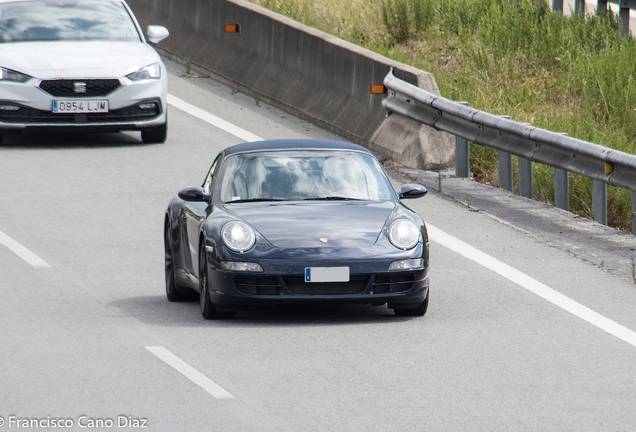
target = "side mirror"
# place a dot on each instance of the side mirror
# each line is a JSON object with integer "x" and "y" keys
{"x": 194, "y": 194}
{"x": 412, "y": 190}
{"x": 156, "y": 34}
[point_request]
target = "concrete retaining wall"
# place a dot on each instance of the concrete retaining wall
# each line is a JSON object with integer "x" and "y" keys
{"x": 310, "y": 74}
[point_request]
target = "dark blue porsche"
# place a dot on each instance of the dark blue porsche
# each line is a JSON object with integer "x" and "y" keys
{"x": 291, "y": 221}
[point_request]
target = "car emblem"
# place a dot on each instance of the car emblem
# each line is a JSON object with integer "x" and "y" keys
{"x": 323, "y": 239}
{"x": 79, "y": 87}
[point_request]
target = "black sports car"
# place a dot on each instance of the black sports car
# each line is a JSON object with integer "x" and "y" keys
{"x": 291, "y": 221}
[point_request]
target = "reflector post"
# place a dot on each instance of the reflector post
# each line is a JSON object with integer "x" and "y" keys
{"x": 377, "y": 89}
{"x": 231, "y": 28}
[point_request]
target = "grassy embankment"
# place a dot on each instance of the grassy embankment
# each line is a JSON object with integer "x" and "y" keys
{"x": 507, "y": 57}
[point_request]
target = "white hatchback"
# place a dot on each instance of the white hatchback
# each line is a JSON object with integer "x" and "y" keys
{"x": 80, "y": 65}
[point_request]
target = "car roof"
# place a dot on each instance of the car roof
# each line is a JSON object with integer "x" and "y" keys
{"x": 293, "y": 144}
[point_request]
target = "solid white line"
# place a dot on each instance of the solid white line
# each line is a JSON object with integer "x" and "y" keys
{"x": 532, "y": 285}
{"x": 212, "y": 119}
{"x": 189, "y": 372}
{"x": 22, "y": 252}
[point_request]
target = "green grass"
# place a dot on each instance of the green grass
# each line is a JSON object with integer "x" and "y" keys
{"x": 507, "y": 57}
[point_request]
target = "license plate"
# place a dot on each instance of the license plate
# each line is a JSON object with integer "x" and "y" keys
{"x": 327, "y": 274}
{"x": 75, "y": 106}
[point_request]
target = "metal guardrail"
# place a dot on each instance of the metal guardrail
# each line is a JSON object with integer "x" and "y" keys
{"x": 603, "y": 165}
{"x": 601, "y": 7}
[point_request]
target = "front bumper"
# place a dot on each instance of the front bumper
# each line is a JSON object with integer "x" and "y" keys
{"x": 232, "y": 290}
{"x": 28, "y": 106}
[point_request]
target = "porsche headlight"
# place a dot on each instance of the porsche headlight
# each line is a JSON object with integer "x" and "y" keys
{"x": 238, "y": 236}
{"x": 152, "y": 71}
{"x": 404, "y": 234}
{"x": 11, "y": 75}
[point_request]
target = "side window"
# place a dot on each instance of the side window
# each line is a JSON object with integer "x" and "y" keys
{"x": 211, "y": 177}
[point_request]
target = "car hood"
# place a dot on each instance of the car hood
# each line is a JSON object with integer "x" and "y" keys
{"x": 84, "y": 59}
{"x": 294, "y": 225}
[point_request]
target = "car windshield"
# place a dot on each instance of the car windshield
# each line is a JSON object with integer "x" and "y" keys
{"x": 66, "y": 20}
{"x": 304, "y": 175}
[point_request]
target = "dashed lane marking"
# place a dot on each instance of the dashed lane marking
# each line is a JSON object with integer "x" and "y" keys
{"x": 189, "y": 372}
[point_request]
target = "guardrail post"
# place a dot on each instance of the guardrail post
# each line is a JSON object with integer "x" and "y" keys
{"x": 599, "y": 202}
{"x": 525, "y": 178}
{"x": 462, "y": 154}
{"x": 562, "y": 189}
{"x": 557, "y": 5}
{"x": 505, "y": 167}
{"x": 579, "y": 7}
{"x": 624, "y": 13}
{"x": 505, "y": 171}
{"x": 633, "y": 212}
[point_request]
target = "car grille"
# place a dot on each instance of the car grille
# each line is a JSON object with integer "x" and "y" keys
{"x": 267, "y": 285}
{"x": 400, "y": 282}
{"x": 35, "y": 116}
{"x": 66, "y": 88}
{"x": 297, "y": 285}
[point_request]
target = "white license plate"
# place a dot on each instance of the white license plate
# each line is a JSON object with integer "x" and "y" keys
{"x": 327, "y": 274}
{"x": 75, "y": 106}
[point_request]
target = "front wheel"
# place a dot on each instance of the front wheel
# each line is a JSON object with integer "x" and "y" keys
{"x": 155, "y": 135}
{"x": 416, "y": 311}
{"x": 208, "y": 310}
{"x": 172, "y": 291}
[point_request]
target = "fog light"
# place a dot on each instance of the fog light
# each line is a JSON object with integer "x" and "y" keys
{"x": 241, "y": 266}
{"x": 9, "y": 107}
{"x": 409, "y": 264}
{"x": 147, "y": 105}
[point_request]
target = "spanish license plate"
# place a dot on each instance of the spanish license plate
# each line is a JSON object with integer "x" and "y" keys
{"x": 75, "y": 106}
{"x": 327, "y": 274}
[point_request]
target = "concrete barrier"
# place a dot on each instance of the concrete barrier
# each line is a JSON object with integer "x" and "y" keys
{"x": 305, "y": 72}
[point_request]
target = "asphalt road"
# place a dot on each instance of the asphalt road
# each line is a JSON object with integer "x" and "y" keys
{"x": 490, "y": 355}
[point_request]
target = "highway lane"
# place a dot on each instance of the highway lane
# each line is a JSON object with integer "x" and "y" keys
{"x": 489, "y": 355}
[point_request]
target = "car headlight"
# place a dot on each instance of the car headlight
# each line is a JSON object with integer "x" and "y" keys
{"x": 404, "y": 234}
{"x": 152, "y": 71}
{"x": 11, "y": 75}
{"x": 238, "y": 236}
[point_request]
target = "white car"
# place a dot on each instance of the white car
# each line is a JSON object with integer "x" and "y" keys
{"x": 80, "y": 65}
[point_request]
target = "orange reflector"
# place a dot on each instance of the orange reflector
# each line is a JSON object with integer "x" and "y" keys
{"x": 231, "y": 28}
{"x": 377, "y": 89}
{"x": 608, "y": 168}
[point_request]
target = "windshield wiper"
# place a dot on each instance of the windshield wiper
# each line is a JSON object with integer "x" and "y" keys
{"x": 254, "y": 200}
{"x": 332, "y": 198}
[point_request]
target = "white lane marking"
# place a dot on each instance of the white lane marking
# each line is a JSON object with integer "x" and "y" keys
{"x": 513, "y": 275}
{"x": 212, "y": 119}
{"x": 532, "y": 285}
{"x": 189, "y": 372}
{"x": 22, "y": 252}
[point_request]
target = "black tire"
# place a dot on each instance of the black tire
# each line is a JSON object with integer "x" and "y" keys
{"x": 208, "y": 310}
{"x": 1, "y": 138}
{"x": 155, "y": 135}
{"x": 416, "y": 311}
{"x": 173, "y": 292}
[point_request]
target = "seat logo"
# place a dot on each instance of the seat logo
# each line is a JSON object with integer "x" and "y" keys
{"x": 79, "y": 87}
